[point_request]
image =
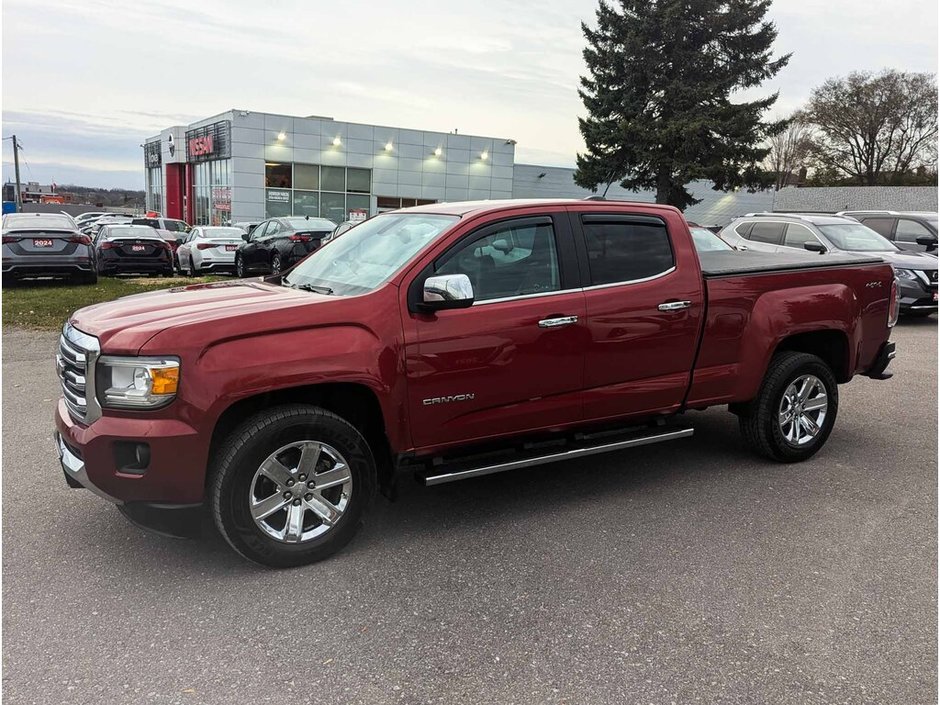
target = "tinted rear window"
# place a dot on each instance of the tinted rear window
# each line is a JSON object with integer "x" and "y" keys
{"x": 882, "y": 226}
{"x": 623, "y": 250}
{"x": 771, "y": 233}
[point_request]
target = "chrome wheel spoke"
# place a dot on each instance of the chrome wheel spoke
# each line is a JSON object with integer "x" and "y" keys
{"x": 338, "y": 475}
{"x": 309, "y": 456}
{"x": 276, "y": 471}
{"x": 816, "y": 404}
{"x": 267, "y": 507}
{"x": 328, "y": 512}
{"x": 807, "y": 423}
{"x": 294, "y": 528}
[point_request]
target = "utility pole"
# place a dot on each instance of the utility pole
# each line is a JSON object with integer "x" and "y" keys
{"x": 18, "y": 198}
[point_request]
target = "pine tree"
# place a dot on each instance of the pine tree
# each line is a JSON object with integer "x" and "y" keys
{"x": 662, "y": 74}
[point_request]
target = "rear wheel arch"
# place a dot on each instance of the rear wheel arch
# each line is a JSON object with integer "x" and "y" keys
{"x": 832, "y": 346}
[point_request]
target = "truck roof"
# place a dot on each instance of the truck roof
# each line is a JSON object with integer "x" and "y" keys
{"x": 461, "y": 208}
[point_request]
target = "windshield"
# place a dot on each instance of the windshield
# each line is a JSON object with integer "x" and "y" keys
{"x": 706, "y": 241}
{"x": 856, "y": 237}
{"x": 51, "y": 221}
{"x": 369, "y": 254}
{"x": 110, "y": 231}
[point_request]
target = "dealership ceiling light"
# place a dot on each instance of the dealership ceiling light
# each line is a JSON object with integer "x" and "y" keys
{"x": 484, "y": 155}
{"x": 281, "y": 136}
{"x": 438, "y": 152}
{"x": 389, "y": 147}
{"x": 337, "y": 141}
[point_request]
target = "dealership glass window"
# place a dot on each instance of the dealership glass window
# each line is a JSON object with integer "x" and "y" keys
{"x": 359, "y": 180}
{"x": 332, "y": 178}
{"x": 277, "y": 202}
{"x": 155, "y": 189}
{"x": 212, "y": 196}
{"x": 357, "y": 202}
{"x": 307, "y": 176}
{"x": 277, "y": 175}
{"x": 307, "y": 203}
{"x": 333, "y": 206}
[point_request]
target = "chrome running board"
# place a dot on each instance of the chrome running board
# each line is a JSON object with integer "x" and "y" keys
{"x": 462, "y": 472}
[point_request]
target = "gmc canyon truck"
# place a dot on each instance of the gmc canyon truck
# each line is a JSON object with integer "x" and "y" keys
{"x": 454, "y": 340}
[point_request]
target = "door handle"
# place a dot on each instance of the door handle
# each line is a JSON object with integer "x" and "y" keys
{"x": 558, "y": 322}
{"x": 674, "y": 305}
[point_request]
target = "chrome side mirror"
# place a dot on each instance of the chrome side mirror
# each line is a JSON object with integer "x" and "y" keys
{"x": 447, "y": 291}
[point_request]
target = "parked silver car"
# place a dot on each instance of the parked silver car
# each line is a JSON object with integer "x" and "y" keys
{"x": 46, "y": 245}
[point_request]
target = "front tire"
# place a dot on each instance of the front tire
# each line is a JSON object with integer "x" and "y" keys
{"x": 276, "y": 264}
{"x": 264, "y": 509}
{"x": 794, "y": 411}
{"x": 193, "y": 272}
{"x": 239, "y": 267}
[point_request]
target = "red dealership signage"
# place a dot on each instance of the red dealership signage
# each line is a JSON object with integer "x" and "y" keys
{"x": 199, "y": 146}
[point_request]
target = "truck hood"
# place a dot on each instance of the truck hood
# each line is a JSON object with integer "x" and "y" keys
{"x": 124, "y": 326}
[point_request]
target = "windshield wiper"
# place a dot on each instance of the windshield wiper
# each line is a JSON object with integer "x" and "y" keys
{"x": 312, "y": 287}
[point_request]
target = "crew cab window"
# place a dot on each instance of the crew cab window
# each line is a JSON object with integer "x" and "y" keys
{"x": 798, "y": 235}
{"x": 882, "y": 226}
{"x": 514, "y": 260}
{"x": 770, "y": 233}
{"x": 910, "y": 230}
{"x": 626, "y": 249}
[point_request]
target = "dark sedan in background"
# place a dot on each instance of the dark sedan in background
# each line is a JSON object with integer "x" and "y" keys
{"x": 132, "y": 249}
{"x": 279, "y": 243}
{"x": 46, "y": 245}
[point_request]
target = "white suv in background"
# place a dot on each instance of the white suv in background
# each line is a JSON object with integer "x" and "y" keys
{"x": 208, "y": 248}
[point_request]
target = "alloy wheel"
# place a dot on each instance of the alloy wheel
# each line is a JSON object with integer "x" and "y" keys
{"x": 300, "y": 491}
{"x": 802, "y": 411}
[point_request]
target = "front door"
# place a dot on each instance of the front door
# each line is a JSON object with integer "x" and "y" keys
{"x": 512, "y": 362}
{"x": 644, "y": 308}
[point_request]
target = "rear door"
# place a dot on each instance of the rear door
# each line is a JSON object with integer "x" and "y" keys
{"x": 512, "y": 362}
{"x": 766, "y": 236}
{"x": 644, "y": 306}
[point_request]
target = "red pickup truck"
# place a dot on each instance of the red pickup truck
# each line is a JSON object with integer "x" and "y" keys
{"x": 454, "y": 340}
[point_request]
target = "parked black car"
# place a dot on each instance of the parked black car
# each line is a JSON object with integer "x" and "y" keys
{"x": 132, "y": 249}
{"x": 909, "y": 230}
{"x": 279, "y": 243}
{"x": 44, "y": 245}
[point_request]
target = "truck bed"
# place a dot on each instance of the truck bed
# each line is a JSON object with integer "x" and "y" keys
{"x": 726, "y": 264}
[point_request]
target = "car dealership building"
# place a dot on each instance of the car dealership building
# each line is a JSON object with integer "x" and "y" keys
{"x": 247, "y": 166}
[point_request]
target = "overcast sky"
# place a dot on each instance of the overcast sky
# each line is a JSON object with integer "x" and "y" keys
{"x": 85, "y": 81}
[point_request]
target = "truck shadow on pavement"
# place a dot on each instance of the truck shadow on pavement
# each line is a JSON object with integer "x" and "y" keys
{"x": 451, "y": 512}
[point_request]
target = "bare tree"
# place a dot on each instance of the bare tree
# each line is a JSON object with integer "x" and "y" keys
{"x": 790, "y": 149}
{"x": 872, "y": 126}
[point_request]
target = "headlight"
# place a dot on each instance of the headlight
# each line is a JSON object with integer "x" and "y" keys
{"x": 136, "y": 382}
{"x": 905, "y": 273}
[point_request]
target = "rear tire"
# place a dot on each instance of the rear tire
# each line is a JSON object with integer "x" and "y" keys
{"x": 281, "y": 433}
{"x": 763, "y": 421}
{"x": 276, "y": 264}
{"x": 239, "y": 267}
{"x": 193, "y": 272}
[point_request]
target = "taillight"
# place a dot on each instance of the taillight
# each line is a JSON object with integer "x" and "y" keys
{"x": 80, "y": 239}
{"x": 166, "y": 245}
{"x": 205, "y": 246}
{"x": 106, "y": 245}
{"x": 299, "y": 237}
{"x": 894, "y": 303}
{"x": 9, "y": 238}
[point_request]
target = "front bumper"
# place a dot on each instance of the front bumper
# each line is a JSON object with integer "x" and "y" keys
{"x": 166, "y": 497}
{"x": 917, "y": 296}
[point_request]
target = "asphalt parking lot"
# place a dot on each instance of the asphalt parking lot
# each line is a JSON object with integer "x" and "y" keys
{"x": 689, "y": 572}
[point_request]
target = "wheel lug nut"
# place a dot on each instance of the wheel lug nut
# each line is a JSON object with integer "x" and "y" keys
{"x": 311, "y": 484}
{"x": 296, "y": 502}
{"x": 308, "y": 496}
{"x": 302, "y": 478}
{"x": 287, "y": 495}
{"x": 290, "y": 483}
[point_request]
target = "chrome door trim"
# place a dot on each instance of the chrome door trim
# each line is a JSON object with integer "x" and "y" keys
{"x": 631, "y": 281}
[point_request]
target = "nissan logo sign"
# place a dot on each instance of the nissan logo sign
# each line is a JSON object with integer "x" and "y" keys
{"x": 171, "y": 144}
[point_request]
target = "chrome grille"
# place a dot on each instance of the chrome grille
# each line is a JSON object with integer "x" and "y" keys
{"x": 75, "y": 362}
